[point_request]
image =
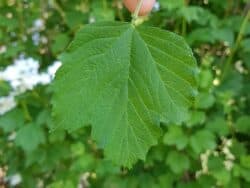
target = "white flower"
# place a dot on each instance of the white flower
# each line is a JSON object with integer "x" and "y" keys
{"x": 12, "y": 136}
{"x": 36, "y": 38}
{"x": 24, "y": 75}
{"x": 53, "y": 68}
{"x": 228, "y": 165}
{"x": 3, "y": 49}
{"x": 6, "y": 104}
{"x": 44, "y": 79}
{"x": 15, "y": 179}
{"x": 38, "y": 24}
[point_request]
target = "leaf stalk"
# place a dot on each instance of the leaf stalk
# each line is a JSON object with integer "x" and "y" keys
{"x": 135, "y": 15}
{"x": 236, "y": 46}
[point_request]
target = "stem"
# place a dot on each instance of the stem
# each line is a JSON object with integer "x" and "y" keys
{"x": 137, "y": 10}
{"x": 184, "y": 27}
{"x": 120, "y": 15}
{"x": 104, "y": 3}
{"x": 184, "y": 21}
{"x": 59, "y": 10}
{"x": 229, "y": 8}
{"x": 236, "y": 46}
{"x": 26, "y": 112}
{"x": 21, "y": 19}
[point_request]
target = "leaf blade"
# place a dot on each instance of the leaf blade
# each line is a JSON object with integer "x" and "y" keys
{"x": 117, "y": 89}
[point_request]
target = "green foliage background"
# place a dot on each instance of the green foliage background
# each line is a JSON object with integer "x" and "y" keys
{"x": 211, "y": 149}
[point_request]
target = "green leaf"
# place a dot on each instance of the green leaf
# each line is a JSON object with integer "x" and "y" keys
{"x": 245, "y": 161}
{"x": 206, "y": 181}
{"x": 77, "y": 149}
{"x": 175, "y": 136}
{"x": 245, "y": 173}
{"x": 102, "y": 12}
{"x": 206, "y": 79}
{"x": 75, "y": 18}
{"x": 56, "y": 136}
{"x": 215, "y": 163}
{"x": 60, "y": 43}
{"x": 124, "y": 81}
{"x": 202, "y": 140}
{"x": 178, "y": 162}
{"x": 223, "y": 176}
{"x": 11, "y": 120}
{"x": 219, "y": 126}
{"x": 245, "y": 45}
{"x": 29, "y": 137}
{"x": 166, "y": 180}
{"x": 218, "y": 171}
{"x": 172, "y": 4}
{"x": 205, "y": 100}
{"x": 59, "y": 184}
{"x": 243, "y": 124}
{"x": 238, "y": 149}
{"x": 5, "y": 88}
{"x": 196, "y": 118}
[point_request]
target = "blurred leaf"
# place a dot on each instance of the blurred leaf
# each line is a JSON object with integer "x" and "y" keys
{"x": 172, "y": 4}
{"x": 219, "y": 126}
{"x": 206, "y": 181}
{"x": 56, "y": 136}
{"x": 218, "y": 170}
{"x": 74, "y": 19}
{"x": 60, "y": 184}
{"x": 29, "y": 137}
{"x": 211, "y": 35}
{"x": 223, "y": 176}
{"x": 196, "y": 118}
{"x": 245, "y": 173}
{"x": 215, "y": 163}
{"x": 232, "y": 83}
{"x": 201, "y": 35}
{"x": 166, "y": 180}
{"x": 191, "y": 13}
{"x": 12, "y": 120}
{"x": 102, "y": 12}
{"x": 245, "y": 161}
{"x": 205, "y": 79}
{"x": 202, "y": 140}
{"x": 224, "y": 35}
{"x": 81, "y": 163}
{"x": 175, "y": 136}
{"x": 205, "y": 100}
{"x": 238, "y": 149}
{"x": 245, "y": 45}
{"x": 177, "y": 161}
{"x": 37, "y": 156}
{"x": 234, "y": 22}
{"x": 5, "y": 88}
{"x": 243, "y": 124}
{"x": 60, "y": 43}
{"x": 77, "y": 149}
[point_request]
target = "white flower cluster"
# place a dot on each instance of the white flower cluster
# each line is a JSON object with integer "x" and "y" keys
{"x": 24, "y": 75}
{"x": 224, "y": 149}
{"x": 15, "y": 179}
{"x": 38, "y": 26}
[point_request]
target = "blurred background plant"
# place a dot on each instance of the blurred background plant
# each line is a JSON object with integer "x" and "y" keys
{"x": 211, "y": 149}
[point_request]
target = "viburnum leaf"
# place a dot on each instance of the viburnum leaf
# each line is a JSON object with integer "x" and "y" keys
{"x": 29, "y": 137}
{"x": 124, "y": 81}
